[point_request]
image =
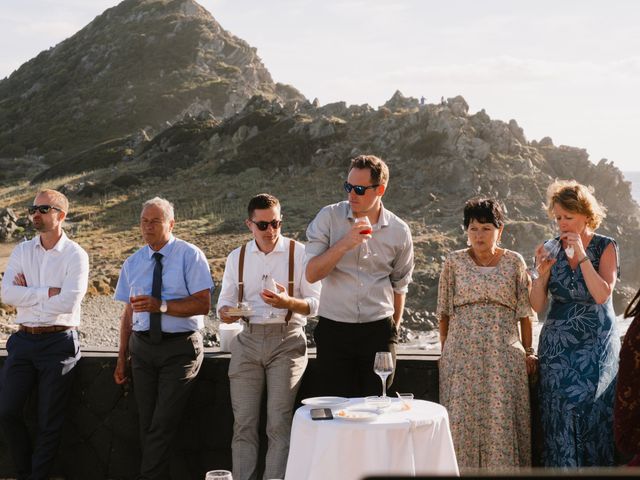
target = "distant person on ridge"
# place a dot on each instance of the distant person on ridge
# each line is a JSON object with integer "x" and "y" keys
{"x": 165, "y": 287}
{"x": 46, "y": 279}
{"x": 271, "y": 351}
{"x": 363, "y": 254}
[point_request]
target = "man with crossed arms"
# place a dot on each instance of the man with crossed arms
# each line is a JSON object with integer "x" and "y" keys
{"x": 46, "y": 279}
{"x": 160, "y": 329}
{"x": 268, "y": 350}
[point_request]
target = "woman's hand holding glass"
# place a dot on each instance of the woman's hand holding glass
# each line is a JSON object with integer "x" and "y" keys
{"x": 545, "y": 258}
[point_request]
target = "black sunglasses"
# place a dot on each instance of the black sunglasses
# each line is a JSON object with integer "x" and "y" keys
{"x": 43, "y": 209}
{"x": 262, "y": 226}
{"x": 359, "y": 189}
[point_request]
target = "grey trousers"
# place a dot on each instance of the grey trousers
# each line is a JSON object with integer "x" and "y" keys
{"x": 163, "y": 376}
{"x": 275, "y": 356}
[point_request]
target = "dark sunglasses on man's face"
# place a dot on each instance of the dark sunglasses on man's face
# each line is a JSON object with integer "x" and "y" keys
{"x": 262, "y": 226}
{"x": 359, "y": 189}
{"x": 43, "y": 209}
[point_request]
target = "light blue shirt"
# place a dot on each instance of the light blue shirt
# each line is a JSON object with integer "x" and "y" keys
{"x": 185, "y": 271}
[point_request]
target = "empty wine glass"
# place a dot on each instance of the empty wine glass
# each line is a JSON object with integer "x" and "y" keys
{"x": 383, "y": 366}
{"x": 367, "y": 229}
{"x": 551, "y": 248}
{"x": 218, "y": 475}
{"x": 268, "y": 283}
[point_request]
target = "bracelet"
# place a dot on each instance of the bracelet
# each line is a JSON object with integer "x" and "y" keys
{"x": 529, "y": 351}
{"x": 584, "y": 259}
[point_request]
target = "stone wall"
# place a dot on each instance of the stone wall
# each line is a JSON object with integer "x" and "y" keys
{"x": 100, "y": 439}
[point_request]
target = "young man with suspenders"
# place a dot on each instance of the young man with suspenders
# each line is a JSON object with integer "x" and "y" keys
{"x": 271, "y": 351}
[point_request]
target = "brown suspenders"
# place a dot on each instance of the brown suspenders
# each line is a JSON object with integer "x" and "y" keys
{"x": 292, "y": 247}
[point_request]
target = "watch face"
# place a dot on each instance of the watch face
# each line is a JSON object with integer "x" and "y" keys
{"x": 163, "y": 307}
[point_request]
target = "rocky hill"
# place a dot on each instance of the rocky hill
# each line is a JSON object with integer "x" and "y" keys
{"x": 139, "y": 66}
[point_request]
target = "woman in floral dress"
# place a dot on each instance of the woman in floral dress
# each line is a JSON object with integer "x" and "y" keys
{"x": 482, "y": 298}
{"x": 579, "y": 344}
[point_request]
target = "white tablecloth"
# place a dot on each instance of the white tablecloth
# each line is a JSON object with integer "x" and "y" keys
{"x": 406, "y": 442}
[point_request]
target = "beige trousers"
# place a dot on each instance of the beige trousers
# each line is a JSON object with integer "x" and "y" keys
{"x": 274, "y": 356}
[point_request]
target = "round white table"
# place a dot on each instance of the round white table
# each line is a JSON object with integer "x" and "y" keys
{"x": 399, "y": 441}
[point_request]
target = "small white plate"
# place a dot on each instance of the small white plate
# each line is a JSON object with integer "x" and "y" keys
{"x": 355, "y": 415}
{"x": 326, "y": 402}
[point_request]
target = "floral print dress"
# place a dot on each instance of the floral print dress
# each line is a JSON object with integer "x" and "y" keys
{"x": 483, "y": 378}
{"x": 578, "y": 352}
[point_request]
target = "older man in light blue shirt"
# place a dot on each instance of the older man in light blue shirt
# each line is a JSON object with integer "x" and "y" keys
{"x": 166, "y": 290}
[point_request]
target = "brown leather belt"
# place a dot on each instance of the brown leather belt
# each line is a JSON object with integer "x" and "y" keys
{"x": 40, "y": 330}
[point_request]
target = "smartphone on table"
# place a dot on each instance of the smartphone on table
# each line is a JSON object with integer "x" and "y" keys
{"x": 321, "y": 414}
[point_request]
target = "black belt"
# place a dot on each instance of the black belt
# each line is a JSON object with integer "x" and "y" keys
{"x": 145, "y": 333}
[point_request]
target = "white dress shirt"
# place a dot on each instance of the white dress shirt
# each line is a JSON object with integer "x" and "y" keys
{"x": 65, "y": 266}
{"x": 276, "y": 264}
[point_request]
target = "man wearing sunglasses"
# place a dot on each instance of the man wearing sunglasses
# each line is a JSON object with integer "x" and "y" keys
{"x": 363, "y": 286}
{"x": 272, "y": 348}
{"x": 165, "y": 287}
{"x": 46, "y": 279}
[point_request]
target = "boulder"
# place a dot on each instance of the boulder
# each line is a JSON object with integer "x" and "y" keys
{"x": 458, "y": 105}
{"x": 399, "y": 102}
{"x": 8, "y": 224}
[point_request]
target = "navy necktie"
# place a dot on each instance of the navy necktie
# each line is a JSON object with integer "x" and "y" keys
{"x": 155, "y": 318}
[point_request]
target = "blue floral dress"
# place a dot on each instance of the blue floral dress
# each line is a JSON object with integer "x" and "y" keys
{"x": 578, "y": 351}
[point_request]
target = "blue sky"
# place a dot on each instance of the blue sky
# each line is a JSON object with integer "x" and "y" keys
{"x": 565, "y": 69}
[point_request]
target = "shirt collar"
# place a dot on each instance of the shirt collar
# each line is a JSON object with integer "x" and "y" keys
{"x": 383, "y": 220}
{"x": 253, "y": 246}
{"x": 166, "y": 250}
{"x": 58, "y": 247}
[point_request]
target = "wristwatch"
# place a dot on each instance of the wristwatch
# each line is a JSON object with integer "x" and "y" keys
{"x": 163, "y": 306}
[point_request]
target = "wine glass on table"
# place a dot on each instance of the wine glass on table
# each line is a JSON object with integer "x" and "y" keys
{"x": 551, "y": 248}
{"x": 366, "y": 229}
{"x": 219, "y": 475}
{"x": 383, "y": 366}
{"x": 268, "y": 283}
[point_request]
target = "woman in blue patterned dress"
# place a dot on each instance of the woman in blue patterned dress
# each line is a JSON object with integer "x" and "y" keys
{"x": 579, "y": 345}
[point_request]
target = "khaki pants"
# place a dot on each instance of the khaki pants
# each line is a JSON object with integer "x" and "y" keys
{"x": 275, "y": 356}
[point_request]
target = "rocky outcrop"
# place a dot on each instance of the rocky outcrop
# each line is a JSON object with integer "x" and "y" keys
{"x": 137, "y": 66}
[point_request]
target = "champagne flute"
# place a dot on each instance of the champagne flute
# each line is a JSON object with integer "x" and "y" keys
{"x": 551, "y": 248}
{"x": 383, "y": 366}
{"x": 218, "y": 475}
{"x": 268, "y": 283}
{"x": 367, "y": 229}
